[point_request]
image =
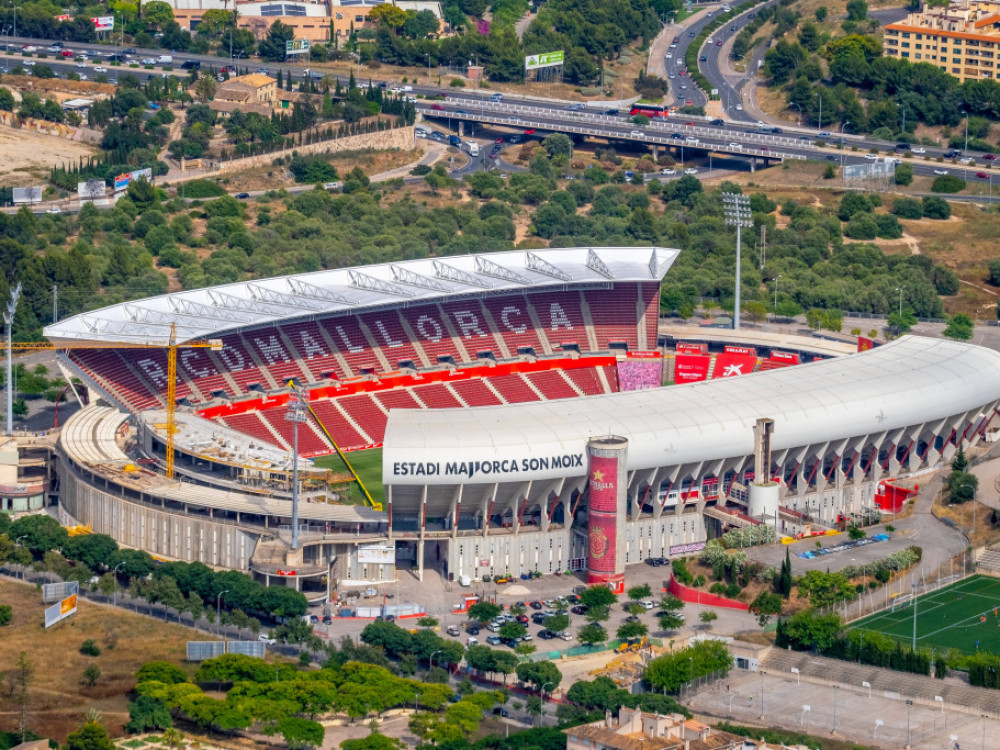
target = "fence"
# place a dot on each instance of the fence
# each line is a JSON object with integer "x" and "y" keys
{"x": 693, "y": 686}
{"x": 909, "y": 582}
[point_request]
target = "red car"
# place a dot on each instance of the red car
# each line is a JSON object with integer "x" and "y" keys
{"x": 982, "y": 175}
{"x": 689, "y": 102}
{"x": 689, "y": 124}
{"x": 683, "y": 73}
{"x": 529, "y": 131}
{"x": 66, "y": 53}
{"x": 989, "y": 157}
{"x": 437, "y": 107}
{"x": 499, "y": 141}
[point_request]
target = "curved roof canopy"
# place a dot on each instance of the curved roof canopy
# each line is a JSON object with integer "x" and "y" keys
{"x": 202, "y": 313}
{"x": 907, "y": 382}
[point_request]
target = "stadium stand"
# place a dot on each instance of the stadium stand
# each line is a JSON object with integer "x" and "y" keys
{"x": 313, "y": 349}
{"x": 346, "y": 334}
{"x": 396, "y": 345}
{"x": 310, "y": 443}
{"x": 367, "y": 413}
{"x": 428, "y": 327}
{"x": 437, "y": 396}
{"x": 275, "y": 355}
{"x": 614, "y": 316}
{"x": 513, "y": 389}
{"x": 551, "y": 384}
{"x": 513, "y": 322}
{"x": 475, "y": 393}
{"x": 251, "y": 424}
{"x": 112, "y": 372}
{"x": 586, "y": 380}
{"x": 398, "y": 398}
{"x": 340, "y": 429}
{"x": 561, "y": 316}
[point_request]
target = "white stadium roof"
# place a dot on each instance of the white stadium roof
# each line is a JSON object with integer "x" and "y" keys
{"x": 910, "y": 381}
{"x": 203, "y": 313}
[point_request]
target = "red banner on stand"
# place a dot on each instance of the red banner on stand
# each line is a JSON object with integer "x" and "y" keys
{"x": 731, "y": 365}
{"x": 690, "y": 368}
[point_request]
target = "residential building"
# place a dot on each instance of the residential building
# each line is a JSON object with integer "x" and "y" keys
{"x": 250, "y": 93}
{"x": 637, "y": 730}
{"x": 962, "y": 38}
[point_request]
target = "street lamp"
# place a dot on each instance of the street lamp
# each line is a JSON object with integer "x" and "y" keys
{"x": 738, "y": 214}
{"x": 776, "y": 293}
{"x": 900, "y": 289}
{"x": 218, "y": 607}
{"x": 430, "y": 664}
{"x": 8, "y": 319}
{"x": 793, "y": 104}
{"x": 541, "y": 705}
{"x": 819, "y": 122}
{"x": 908, "y": 704}
{"x": 114, "y": 578}
{"x": 762, "y": 673}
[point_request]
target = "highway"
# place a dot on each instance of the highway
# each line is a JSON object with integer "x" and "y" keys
{"x": 739, "y": 136}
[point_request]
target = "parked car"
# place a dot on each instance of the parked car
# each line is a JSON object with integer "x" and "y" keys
{"x": 648, "y": 604}
{"x": 243, "y": 196}
{"x": 472, "y": 629}
{"x": 500, "y": 711}
{"x": 989, "y": 157}
{"x": 264, "y": 638}
{"x": 493, "y": 640}
{"x": 546, "y": 634}
{"x": 535, "y": 605}
{"x": 453, "y": 631}
{"x": 668, "y": 171}
{"x": 579, "y": 609}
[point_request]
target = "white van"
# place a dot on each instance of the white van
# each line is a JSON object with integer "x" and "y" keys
{"x": 472, "y": 147}
{"x": 164, "y": 60}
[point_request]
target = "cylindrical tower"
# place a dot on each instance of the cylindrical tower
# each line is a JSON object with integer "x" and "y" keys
{"x": 607, "y": 459}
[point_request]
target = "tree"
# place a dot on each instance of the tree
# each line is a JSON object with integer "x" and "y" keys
{"x": 668, "y": 672}
{"x": 557, "y": 623}
{"x": 962, "y": 486}
{"x": 134, "y": 563}
{"x": 41, "y": 533}
{"x": 6, "y": 614}
{"x": 764, "y": 606}
{"x": 374, "y": 741}
{"x": 857, "y": 10}
{"x": 93, "y": 550}
{"x": 20, "y": 680}
{"x": 539, "y": 673}
{"x": 388, "y": 15}
{"x": 483, "y": 612}
{"x": 936, "y": 208}
{"x": 636, "y": 593}
{"x": 670, "y": 621}
{"x": 205, "y": 88}
{"x": 959, "y": 327}
{"x": 629, "y": 630}
{"x": 558, "y": 144}
{"x": 903, "y": 174}
{"x": 512, "y": 631}
{"x": 597, "y": 596}
{"x": 960, "y": 462}
{"x": 91, "y": 675}
{"x": 671, "y": 603}
{"x": 947, "y": 183}
{"x": 591, "y": 634}
{"x": 902, "y": 323}
{"x": 272, "y": 47}
{"x": 708, "y": 617}
{"x": 755, "y": 311}
{"x": 148, "y": 714}
{"x": 92, "y": 736}
{"x": 298, "y": 732}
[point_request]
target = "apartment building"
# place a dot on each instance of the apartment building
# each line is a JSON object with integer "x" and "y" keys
{"x": 963, "y": 39}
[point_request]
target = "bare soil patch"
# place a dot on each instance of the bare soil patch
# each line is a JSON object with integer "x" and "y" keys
{"x": 58, "y": 699}
{"x": 28, "y": 156}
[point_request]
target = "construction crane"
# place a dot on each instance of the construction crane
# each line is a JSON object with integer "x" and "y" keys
{"x": 172, "y": 346}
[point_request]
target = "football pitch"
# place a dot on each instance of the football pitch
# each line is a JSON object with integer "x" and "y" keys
{"x": 962, "y": 616}
{"x": 368, "y": 465}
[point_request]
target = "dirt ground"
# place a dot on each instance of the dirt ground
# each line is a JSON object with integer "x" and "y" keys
{"x": 58, "y": 699}
{"x": 28, "y": 156}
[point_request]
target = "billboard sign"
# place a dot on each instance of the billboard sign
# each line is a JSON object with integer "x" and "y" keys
{"x": 686, "y": 549}
{"x": 865, "y": 343}
{"x": 60, "y": 610}
{"x": 687, "y": 348}
{"x": 90, "y": 190}
{"x": 691, "y": 368}
{"x": 297, "y": 47}
{"x": 605, "y": 475}
{"x": 790, "y": 358}
{"x": 56, "y": 592}
{"x": 543, "y": 60}
{"x": 122, "y": 180}
{"x": 377, "y": 555}
{"x": 64, "y": 17}
{"x": 748, "y": 351}
{"x": 28, "y": 195}
{"x": 247, "y": 648}
{"x": 731, "y": 365}
{"x": 103, "y": 23}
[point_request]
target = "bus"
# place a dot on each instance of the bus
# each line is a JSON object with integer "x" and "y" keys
{"x": 650, "y": 110}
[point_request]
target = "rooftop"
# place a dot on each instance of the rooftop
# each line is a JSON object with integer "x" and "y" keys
{"x": 257, "y": 80}
{"x": 203, "y": 313}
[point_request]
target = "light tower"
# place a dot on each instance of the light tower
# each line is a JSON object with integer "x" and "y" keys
{"x": 8, "y": 319}
{"x": 737, "y": 210}
{"x": 296, "y": 414}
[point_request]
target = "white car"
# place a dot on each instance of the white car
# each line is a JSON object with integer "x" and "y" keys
{"x": 739, "y": 107}
{"x": 53, "y": 210}
{"x": 670, "y": 55}
{"x": 29, "y": 48}
{"x": 668, "y": 171}
{"x": 967, "y": 160}
{"x": 638, "y": 134}
{"x": 736, "y": 146}
{"x": 871, "y": 157}
{"x": 81, "y": 65}
{"x": 648, "y": 604}
{"x": 100, "y": 69}
{"x": 940, "y": 171}
{"x": 148, "y": 61}
{"x": 266, "y": 639}
{"x": 690, "y": 171}
{"x": 565, "y": 636}
{"x": 28, "y": 63}
{"x": 918, "y": 150}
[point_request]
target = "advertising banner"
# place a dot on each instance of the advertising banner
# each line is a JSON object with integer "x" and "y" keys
{"x": 785, "y": 358}
{"x": 602, "y": 521}
{"x": 377, "y": 555}
{"x": 103, "y": 23}
{"x": 27, "y": 195}
{"x": 639, "y": 374}
{"x": 864, "y": 344}
{"x": 56, "y": 592}
{"x": 639, "y": 354}
{"x": 686, "y": 549}
{"x": 747, "y": 350}
{"x": 731, "y": 365}
{"x": 60, "y": 610}
{"x": 90, "y": 190}
{"x": 543, "y": 60}
{"x": 64, "y": 17}
{"x": 690, "y": 368}
{"x": 122, "y": 180}
{"x": 683, "y": 348}
{"x": 297, "y": 47}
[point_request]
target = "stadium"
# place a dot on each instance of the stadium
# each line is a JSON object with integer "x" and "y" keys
{"x": 455, "y": 406}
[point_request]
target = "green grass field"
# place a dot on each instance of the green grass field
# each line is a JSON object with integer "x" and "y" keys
{"x": 368, "y": 465}
{"x": 950, "y": 618}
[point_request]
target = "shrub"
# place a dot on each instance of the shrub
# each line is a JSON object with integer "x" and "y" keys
{"x": 908, "y": 208}
{"x": 6, "y": 614}
{"x": 903, "y": 174}
{"x": 936, "y": 208}
{"x": 200, "y": 189}
{"x": 888, "y": 227}
{"x": 89, "y": 648}
{"x": 947, "y": 183}
{"x": 862, "y": 226}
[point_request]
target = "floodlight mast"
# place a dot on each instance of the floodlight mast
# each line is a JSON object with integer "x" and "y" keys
{"x": 8, "y": 319}
{"x": 738, "y": 214}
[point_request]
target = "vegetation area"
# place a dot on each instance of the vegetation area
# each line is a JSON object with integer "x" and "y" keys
{"x": 184, "y": 587}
